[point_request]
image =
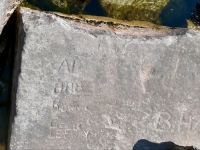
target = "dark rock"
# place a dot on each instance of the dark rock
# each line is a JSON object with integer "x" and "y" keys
{"x": 185, "y": 148}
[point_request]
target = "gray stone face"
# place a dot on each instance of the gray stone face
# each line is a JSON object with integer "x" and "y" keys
{"x": 83, "y": 86}
{"x": 6, "y": 9}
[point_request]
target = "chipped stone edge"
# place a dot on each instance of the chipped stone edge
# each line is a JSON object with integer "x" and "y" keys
{"x": 120, "y": 27}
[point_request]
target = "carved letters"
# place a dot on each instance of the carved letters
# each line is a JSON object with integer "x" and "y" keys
{"x": 67, "y": 65}
{"x": 163, "y": 121}
{"x": 60, "y": 130}
{"x": 185, "y": 122}
{"x": 61, "y": 90}
{"x": 58, "y": 107}
{"x": 110, "y": 124}
{"x": 86, "y": 134}
{"x": 68, "y": 88}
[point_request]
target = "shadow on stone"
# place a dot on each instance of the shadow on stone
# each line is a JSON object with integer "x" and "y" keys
{"x": 7, "y": 40}
{"x": 16, "y": 62}
{"x": 144, "y": 144}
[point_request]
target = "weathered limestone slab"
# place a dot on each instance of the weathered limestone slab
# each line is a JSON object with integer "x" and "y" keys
{"x": 103, "y": 85}
{"x": 6, "y": 9}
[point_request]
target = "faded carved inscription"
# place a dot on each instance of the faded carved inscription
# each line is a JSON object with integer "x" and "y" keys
{"x": 60, "y": 104}
{"x": 163, "y": 121}
{"x": 110, "y": 124}
{"x": 68, "y": 88}
{"x": 70, "y": 66}
{"x": 188, "y": 122}
{"x": 60, "y": 107}
{"x": 61, "y": 130}
{"x": 67, "y": 65}
{"x": 73, "y": 88}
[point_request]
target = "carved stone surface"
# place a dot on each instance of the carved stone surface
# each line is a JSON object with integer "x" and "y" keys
{"x": 103, "y": 85}
{"x": 6, "y": 9}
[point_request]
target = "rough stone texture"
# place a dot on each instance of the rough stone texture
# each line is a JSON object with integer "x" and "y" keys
{"x": 103, "y": 85}
{"x": 6, "y": 9}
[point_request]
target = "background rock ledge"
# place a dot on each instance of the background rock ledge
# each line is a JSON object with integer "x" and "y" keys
{"x": 84, "y": 86}
{"x": 7, "y": 7}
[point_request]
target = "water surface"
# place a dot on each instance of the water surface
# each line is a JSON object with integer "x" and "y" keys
{"x": 174, "y": 14}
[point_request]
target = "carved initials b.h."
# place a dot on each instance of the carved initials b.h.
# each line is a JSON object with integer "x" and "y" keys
{"x": 185, "y": 122}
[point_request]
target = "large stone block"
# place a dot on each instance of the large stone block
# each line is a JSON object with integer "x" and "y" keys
{"x": 86, "y": 84}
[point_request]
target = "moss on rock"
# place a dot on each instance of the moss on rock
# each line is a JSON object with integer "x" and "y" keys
{"x": 191, "y": 25}
{"x": 143, "y": 10}
{"x": 60, "y": 4}
{"x": 64, "y": 6}
{"x": 2, "y": 146}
